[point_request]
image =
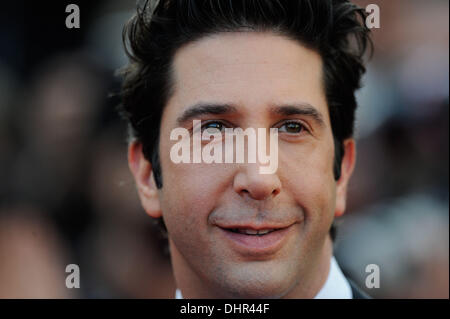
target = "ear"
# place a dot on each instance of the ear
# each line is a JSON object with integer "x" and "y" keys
{"x": 347, "y": 166}
{"x": 143, "y": 177}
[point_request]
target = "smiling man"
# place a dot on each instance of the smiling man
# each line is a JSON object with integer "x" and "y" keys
{"x": 292, "y": 66}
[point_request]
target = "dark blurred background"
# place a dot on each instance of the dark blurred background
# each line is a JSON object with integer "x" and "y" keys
{"x": 66, "y": 196}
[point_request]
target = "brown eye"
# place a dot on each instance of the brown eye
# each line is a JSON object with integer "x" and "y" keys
{"x": 291, "y": 128}
{"x": 213, "y": 127}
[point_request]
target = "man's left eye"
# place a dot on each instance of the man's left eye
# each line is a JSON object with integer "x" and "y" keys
{"x": 213, "y": 127}
{"x": 291, "y": 128}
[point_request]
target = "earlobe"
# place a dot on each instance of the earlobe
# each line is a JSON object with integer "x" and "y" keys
{"x": 347, "y": 167}
{"x": 141, "y": 169}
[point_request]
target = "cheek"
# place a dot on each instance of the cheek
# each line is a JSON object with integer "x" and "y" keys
{"x": 185, "y": 206}
{"x": 190, "y": 193}
{"x": 310, "y": 180}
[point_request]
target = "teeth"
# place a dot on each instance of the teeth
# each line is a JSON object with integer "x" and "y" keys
{"x": 253, "y": 231}
{"x": 248, "y": 231}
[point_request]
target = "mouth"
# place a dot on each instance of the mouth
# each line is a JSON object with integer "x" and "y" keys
{"x": 252, "y": 240}
{"x": 252, "y": 232}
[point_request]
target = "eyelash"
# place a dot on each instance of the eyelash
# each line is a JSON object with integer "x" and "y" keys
{"x": 204, "y": 126}
{"x": 224, "y": 125}
{"x": 303, "y": 127}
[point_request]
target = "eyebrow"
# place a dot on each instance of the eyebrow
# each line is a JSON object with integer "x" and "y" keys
{"x": 299, "y": 109}
{"x": 205, "y": 109}
{"x": 220, "y": 109}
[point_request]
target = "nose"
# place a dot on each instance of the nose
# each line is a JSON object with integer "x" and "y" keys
{"x": 249, "y": 181}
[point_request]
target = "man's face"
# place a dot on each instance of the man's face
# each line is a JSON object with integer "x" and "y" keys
{"x": 270, "y": 82}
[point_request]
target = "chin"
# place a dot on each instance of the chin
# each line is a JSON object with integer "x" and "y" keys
{"x": 258, "y": 286}
{"x": 265, "y": 291}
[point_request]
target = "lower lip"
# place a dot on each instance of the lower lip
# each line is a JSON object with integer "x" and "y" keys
{"x": 265, "y": 244}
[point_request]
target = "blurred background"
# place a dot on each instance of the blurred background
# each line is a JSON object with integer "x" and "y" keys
{"x": 66, "y": 196}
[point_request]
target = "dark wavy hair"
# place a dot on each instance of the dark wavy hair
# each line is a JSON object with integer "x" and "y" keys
{"x": 333, "y": 28}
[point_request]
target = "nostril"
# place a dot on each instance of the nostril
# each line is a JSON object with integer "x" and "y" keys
{"x": 244, "y": 191}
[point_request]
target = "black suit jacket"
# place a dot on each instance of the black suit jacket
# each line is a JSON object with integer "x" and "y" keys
{"x": 357, "y": 292}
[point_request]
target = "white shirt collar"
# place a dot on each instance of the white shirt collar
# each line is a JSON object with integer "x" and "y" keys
{"x": 336, "y": 286}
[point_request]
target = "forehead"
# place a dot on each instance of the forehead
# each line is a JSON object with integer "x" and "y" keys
{"x": 248, "y": 69}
